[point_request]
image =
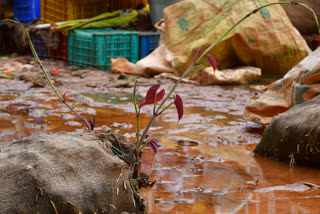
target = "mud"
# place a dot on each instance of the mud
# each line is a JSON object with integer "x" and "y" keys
{"x": 205, "y": 164}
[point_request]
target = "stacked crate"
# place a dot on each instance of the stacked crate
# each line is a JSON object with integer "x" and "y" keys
{"x": 87, "y": 47}
{"x": 26, "y": 10}
{"x": 65, "y": 10}
{"x": 44, "y": 52}
{"x": 148, "y": 41}
{"x": 124, "y": 4}
{"x": 95, "y": 47}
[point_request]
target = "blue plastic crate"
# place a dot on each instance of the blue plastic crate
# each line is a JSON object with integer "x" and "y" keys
{"x": 40, "y": 46}
{"x": 95, "y": 47}
{"x": 148, "y": 41}
{"x": 26, "y": 10}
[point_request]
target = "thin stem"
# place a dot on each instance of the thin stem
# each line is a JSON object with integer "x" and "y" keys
{"x": 145, "y": 131}
{"x": 155, "y": 103}
{"x": 175, "y": 85}
{"x": 143, "y": 145}
{"x": 314, "y": 15}
{"x": 120, "y": 152}
{"x": 137, "y": 113}
{"x": 165, "y": 108}
{"x": 228, "y": 31}
{"x": 242, "y": 19}
{"x": 46, "y": 74}
{"x": 196, "y": 62}
{"x": 144, "y": 134}
{"x": 118, "y": 142}
{"x": 78, "y": 115}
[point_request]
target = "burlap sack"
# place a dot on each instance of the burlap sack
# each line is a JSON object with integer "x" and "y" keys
{"x": 300, "y": 84}
{"x": 65, "y": 173}
{"x": 266, "y": 40}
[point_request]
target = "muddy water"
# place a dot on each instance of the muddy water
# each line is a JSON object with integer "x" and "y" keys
{"x": 204, "y": 164}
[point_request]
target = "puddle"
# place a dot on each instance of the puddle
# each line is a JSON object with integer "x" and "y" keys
{"x": 118, "y": 98}
{"x": 204, "y": 164}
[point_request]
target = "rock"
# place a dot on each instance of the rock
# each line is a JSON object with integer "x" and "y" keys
{"x": 65, "y": 173}
{"x": 294, "y": 135}
{"x": 122, "y": 76}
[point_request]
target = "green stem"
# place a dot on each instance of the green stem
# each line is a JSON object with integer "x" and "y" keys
{"x": 46, "y": 74}
{"x": 143, "y": 145}
{"x": 137, "y": 114}
{"x": 145, "y": 131}
{"x": 175, "y": 85}
{"x": 222, "y": 37}
{"x": 249, "y": 14}
{"x": 314, "y": 15}
{"x": 196, "y": 62}
{"x": 155, "y": 103}
{"x": 165, "y": 108}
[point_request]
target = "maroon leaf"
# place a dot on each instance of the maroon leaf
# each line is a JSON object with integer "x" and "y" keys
{"x": 212, "y": 61}
{"x": 154, "y": 145}
{"x": 151, "y": 94}
{"x": 160, "y": 95}
{"x": 196, "y": 52}
{"x": 179, "y": 105}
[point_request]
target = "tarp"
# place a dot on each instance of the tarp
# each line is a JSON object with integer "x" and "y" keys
{"x": 302, "y": 83}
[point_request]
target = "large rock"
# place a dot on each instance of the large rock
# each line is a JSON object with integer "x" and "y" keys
{"x": 65, "y": 173}
{"x": 294, "y": 135}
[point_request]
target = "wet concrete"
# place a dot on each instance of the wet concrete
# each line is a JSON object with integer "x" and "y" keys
{"x": 205, "y": 163}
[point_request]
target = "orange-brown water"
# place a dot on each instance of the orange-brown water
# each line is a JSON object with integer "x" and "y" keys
{"x": 205, "y": 163}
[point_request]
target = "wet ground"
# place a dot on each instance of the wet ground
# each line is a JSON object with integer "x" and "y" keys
{"x": 205, "y": 163}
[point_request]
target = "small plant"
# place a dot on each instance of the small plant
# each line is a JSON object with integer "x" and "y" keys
{"x": 152, "y": 97}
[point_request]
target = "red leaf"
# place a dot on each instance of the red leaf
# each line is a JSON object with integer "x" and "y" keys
{"x": 160, "y": 95}
{"x": 212, "y": 61}
{"x": 151, "y": 94}
{"x": 154, "y": 145}
{"x": 198, "y": 51}
{"x": 179, "y": 105}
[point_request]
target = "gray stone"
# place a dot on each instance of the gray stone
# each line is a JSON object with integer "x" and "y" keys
{"x": 294, "y": 135}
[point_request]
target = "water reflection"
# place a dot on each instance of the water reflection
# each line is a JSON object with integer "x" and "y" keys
{"x": 240, "y": 184}
{"x": 204, "y": 164}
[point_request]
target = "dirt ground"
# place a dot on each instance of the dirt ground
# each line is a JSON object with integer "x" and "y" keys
{"x": 205, "y": 164}
{"x": 28, "y": 89}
